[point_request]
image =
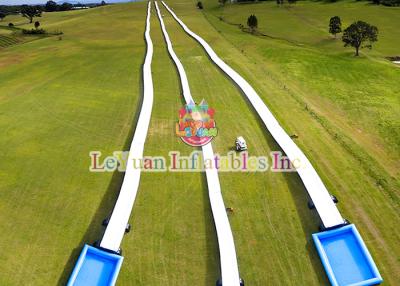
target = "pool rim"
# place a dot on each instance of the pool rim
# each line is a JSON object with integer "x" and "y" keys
{"x": 317, "y": 237}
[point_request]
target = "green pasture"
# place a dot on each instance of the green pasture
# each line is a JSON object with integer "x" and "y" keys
{"x": 61, "y": 98}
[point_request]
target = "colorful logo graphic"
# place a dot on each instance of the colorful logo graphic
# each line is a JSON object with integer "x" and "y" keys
{"x": 196, "y": 125}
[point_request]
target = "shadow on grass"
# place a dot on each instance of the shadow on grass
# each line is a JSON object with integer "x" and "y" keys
{"x": 95, "y": 229}
{"x": 212, "y": 255}
{"x": 309, "y": 222}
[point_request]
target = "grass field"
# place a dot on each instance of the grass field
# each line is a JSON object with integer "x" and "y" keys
{"x": 6, "y": 41}
{"x": 60, "y": 99}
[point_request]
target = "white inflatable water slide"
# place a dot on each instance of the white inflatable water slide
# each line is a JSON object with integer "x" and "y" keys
{"x": 320, "y": 196}
{"x": 229, "y": 266}
{"x": 120, "y": 216}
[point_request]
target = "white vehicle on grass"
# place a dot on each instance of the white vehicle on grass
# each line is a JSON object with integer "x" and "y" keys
{"x": 240, "y": 144}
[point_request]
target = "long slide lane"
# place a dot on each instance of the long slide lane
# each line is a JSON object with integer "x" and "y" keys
{"x": 101, "y": 265}
{"x": 228, "y": 260}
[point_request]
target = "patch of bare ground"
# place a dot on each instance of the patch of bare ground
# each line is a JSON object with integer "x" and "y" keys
{"x": 11, "y": 60}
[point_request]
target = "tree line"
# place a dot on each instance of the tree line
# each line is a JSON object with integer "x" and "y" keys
{"x": 32, "y": 11}
{"x": 52, "y": 6}
{"x": 281, "y": 2}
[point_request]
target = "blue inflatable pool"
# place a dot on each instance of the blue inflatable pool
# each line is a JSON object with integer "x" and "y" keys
{"x": 95, "y": 267}
{"x": 345, "y": 257}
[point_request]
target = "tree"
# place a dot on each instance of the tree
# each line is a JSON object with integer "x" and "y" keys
{"x": 37, "y": 25}
{"x": 103, "y": 3}
{"x": 335, "y": 25}
{"x": 279, "y": 2}
{"x": 66, "y": 6}
{"x": 252, "y": 22}
{"x": 51, "y": 6}
{"x": 359, "y": 33}
{"x": 222, "y": 2}
{"x": 30, "y": 12}
{"x": 2, "y": 16}
{"x": 200, "y": 5}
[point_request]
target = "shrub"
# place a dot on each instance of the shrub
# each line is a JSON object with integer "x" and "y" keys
{"x": 252, "y": 22}
{"x": 10, "y": 25}
{"x": 34, "y": 32}
{"x": 335, "y": 25}
{"x": 199, "y": 5}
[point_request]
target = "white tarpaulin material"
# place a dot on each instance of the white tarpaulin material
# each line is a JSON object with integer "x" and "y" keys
{"x": 320, "y": 196}
{"x": 120, "y": 216}
{"x": 229, "y": 267}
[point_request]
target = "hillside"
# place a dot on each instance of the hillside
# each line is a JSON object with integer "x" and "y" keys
{"x": 61, "y": 99}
